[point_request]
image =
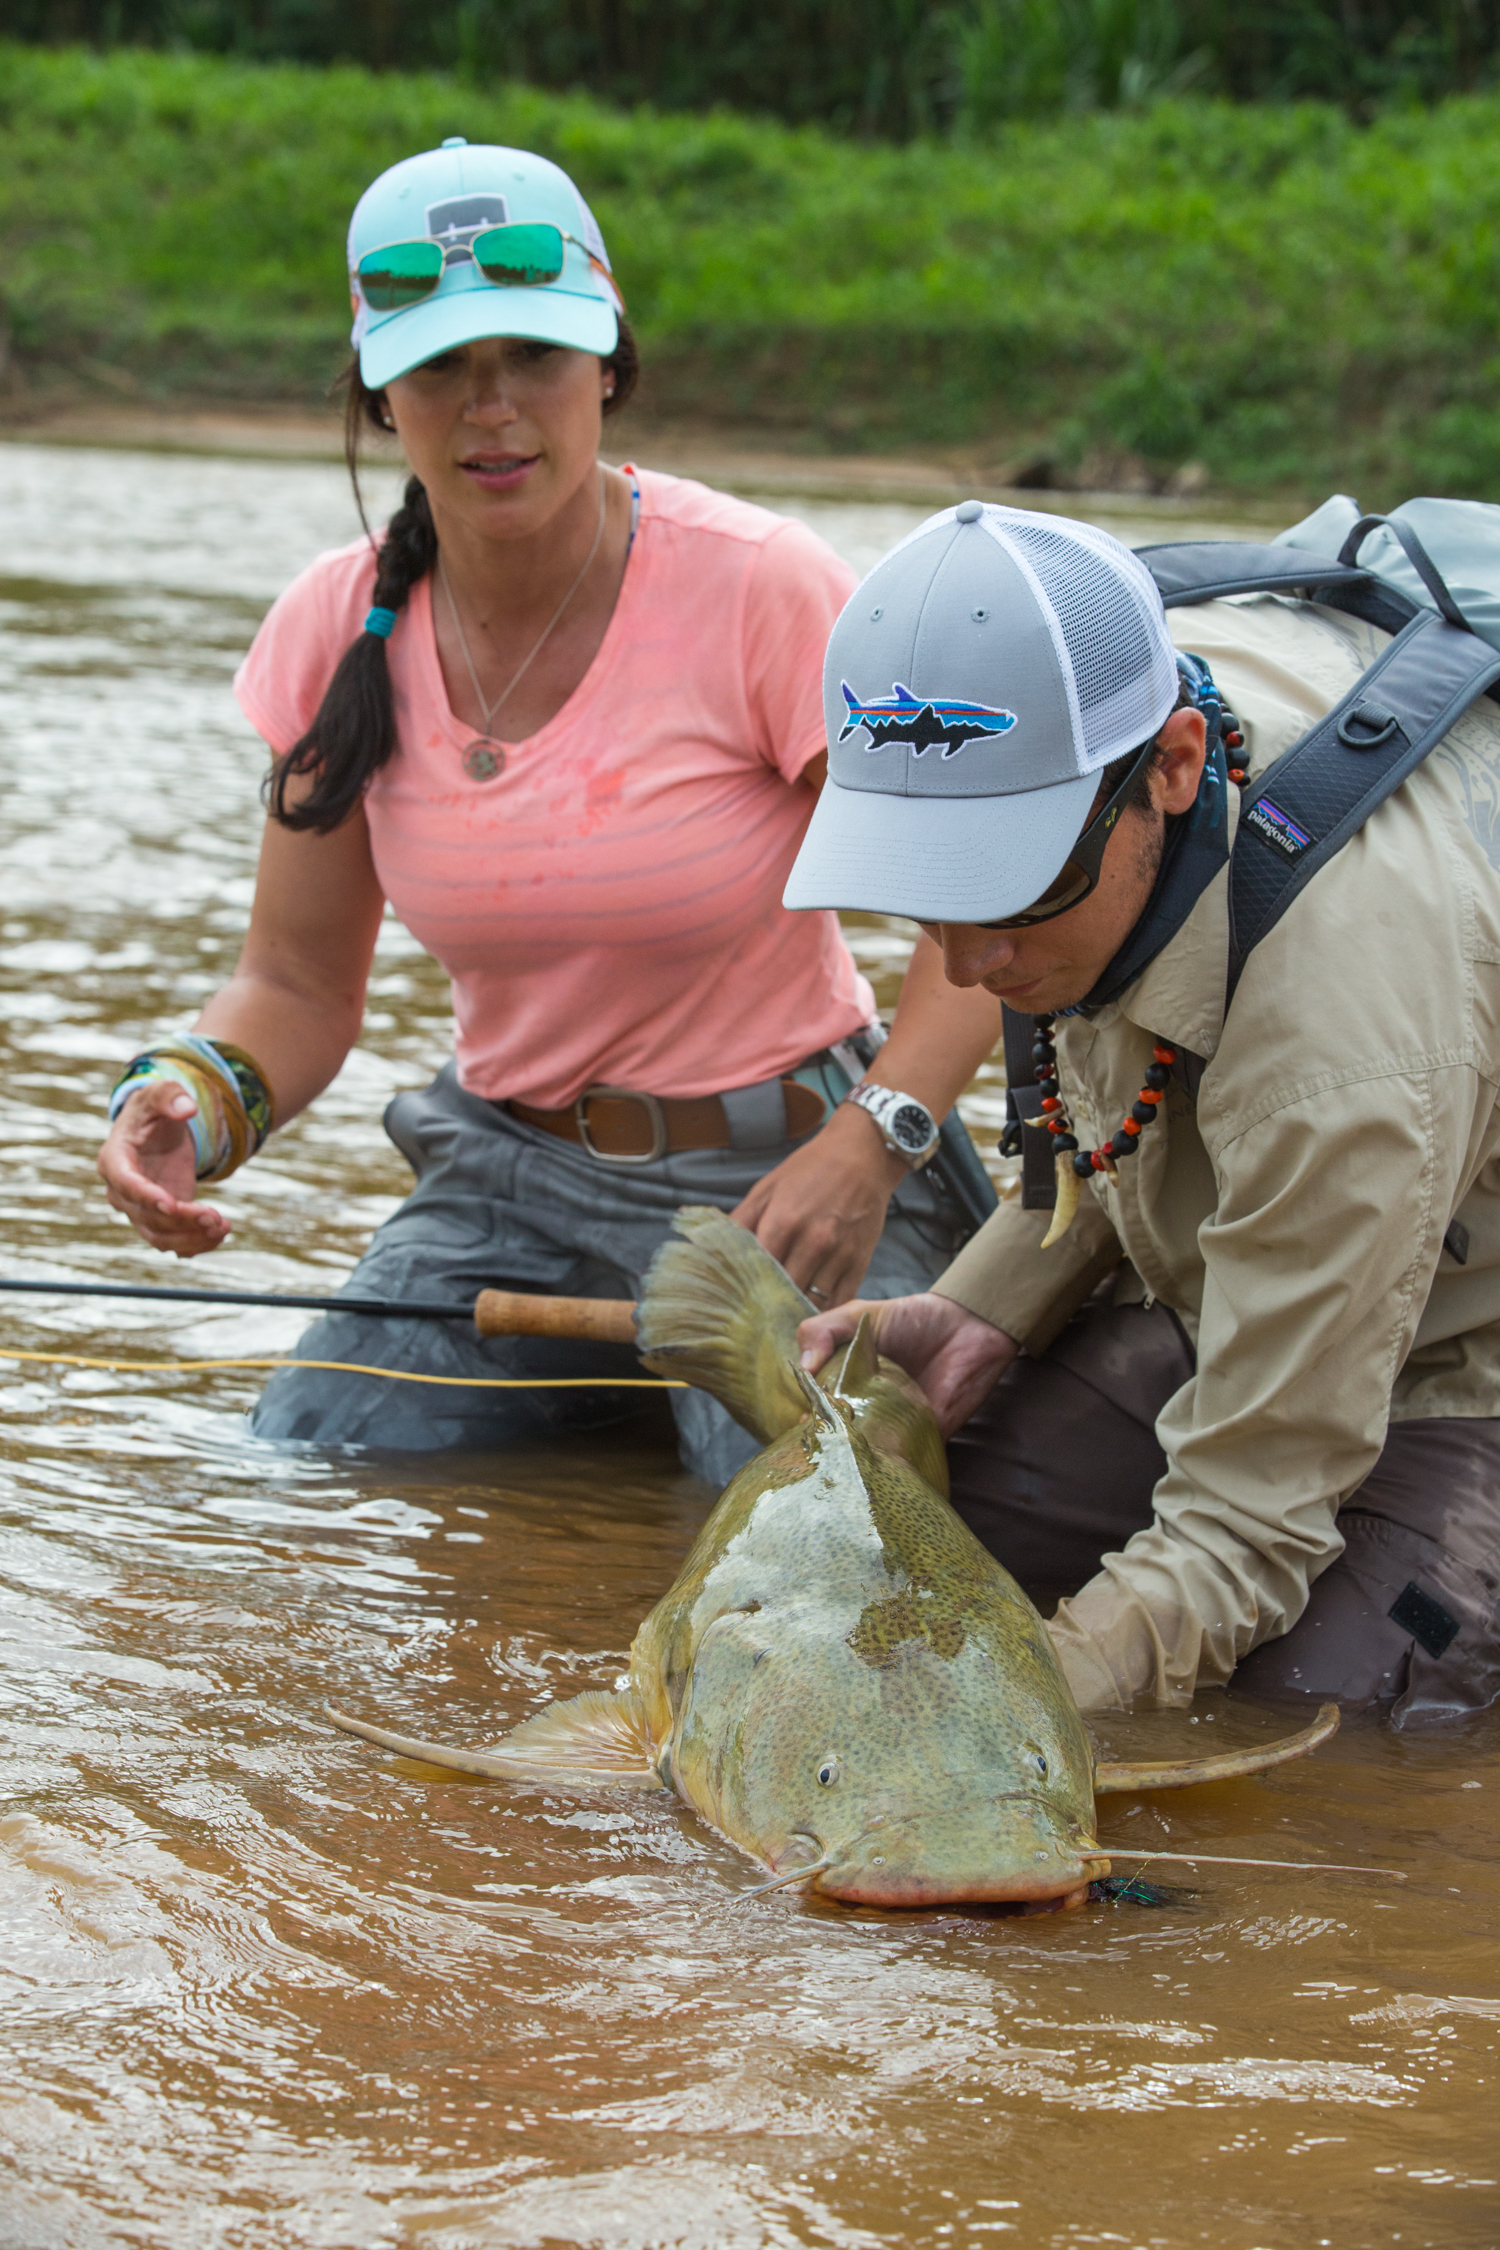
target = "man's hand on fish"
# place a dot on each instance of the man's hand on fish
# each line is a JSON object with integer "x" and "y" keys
{"x": 820, "y": 1213}
{"x": 955, "y": 1356}
{"x": 148, "y": 1167}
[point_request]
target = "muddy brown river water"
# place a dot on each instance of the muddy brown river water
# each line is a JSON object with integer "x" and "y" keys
{"x": 266, "y": 1989}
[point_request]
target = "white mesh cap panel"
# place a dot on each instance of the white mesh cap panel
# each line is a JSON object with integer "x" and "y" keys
{"x": 1110, "y": 627}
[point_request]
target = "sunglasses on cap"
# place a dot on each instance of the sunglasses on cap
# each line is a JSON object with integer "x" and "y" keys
{"x": 525, "y": 255}
{"x": 1080, "y": 870}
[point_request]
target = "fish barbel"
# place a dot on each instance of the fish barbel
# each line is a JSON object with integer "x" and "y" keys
{"x": 841, "y": 1679}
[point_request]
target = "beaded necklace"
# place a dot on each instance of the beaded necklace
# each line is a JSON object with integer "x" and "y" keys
{"x": 1075, "y": 1164}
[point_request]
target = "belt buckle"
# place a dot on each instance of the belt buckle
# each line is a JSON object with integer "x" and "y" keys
{"x": 649, "y": 1103}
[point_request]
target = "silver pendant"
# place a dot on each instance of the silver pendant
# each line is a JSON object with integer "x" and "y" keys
{"x": 483, "y": 760}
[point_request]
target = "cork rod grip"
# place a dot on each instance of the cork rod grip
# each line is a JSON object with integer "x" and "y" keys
{"x": 594, "y": 1320}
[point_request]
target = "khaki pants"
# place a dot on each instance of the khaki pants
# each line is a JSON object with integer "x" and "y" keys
{"x": 1058, "y": 1467}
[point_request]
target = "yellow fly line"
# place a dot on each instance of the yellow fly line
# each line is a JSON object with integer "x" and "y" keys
{"x": 349, "y": 1367}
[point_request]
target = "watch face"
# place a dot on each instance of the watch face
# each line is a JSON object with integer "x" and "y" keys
{"x": 910, "y": 1127}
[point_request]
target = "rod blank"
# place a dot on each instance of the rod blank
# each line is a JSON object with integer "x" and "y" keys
{"x": 379, "y": 1308}
{"x": 495, "y": 1312}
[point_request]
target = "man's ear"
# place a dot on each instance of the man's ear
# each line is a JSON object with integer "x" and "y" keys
{"x": 1178, "y": 769}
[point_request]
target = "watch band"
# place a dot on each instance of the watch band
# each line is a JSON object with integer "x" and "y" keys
{"x": 906, "y": 1125}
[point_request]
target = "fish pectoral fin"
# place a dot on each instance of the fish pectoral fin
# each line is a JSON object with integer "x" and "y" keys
{"x": 430, "y": 1753}
{"x": 1185, "y": 1773}
{"x": 601, "y": 1736}
{"x": 597, "y": 1738}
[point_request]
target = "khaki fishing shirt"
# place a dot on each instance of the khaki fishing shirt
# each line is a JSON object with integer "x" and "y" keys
{"x": 1294, "y": 1215}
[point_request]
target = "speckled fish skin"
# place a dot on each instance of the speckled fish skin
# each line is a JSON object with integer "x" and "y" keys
{"x": 841, "y": 1673}
{"x": 841, "y": 1678}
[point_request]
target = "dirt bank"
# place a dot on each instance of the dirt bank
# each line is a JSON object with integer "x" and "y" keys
{"x": 721, "y": 456}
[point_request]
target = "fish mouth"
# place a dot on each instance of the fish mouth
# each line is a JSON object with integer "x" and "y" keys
{"x": 1063, "y": 1883}
{"x": 945, "y": 1859}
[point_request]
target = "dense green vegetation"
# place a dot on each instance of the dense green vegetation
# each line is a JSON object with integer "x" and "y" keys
{"x": 1279, "y": 293}
{"x": 892, "y": 67}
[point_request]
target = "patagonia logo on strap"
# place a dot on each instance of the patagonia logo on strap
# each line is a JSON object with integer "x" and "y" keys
{"x": 1277, "y": 828}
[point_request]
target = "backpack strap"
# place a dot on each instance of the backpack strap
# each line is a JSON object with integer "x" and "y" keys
{"x": 1321, "y": 792}
{"x": 1201, "y": 570}
{"x": 1023, "y": 1107}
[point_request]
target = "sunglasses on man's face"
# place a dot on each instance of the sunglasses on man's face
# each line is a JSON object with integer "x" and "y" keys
{"x": 523, "y": 256}
{"x": 1080, "y": 870}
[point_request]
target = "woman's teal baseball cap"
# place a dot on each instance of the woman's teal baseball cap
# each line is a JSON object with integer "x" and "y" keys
{"x": 448, "y": 195}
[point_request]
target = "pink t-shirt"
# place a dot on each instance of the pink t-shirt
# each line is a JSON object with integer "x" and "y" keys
{"x": 609, "y": 907}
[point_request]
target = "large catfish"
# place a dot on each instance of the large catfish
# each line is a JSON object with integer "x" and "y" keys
{"x": 841, "y": 1679}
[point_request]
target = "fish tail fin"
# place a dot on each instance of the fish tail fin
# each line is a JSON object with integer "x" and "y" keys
{"x": 851, "y": 705}
{"x": 718, "y": 1311}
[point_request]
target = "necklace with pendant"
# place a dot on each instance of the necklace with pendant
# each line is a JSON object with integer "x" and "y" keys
{"x": 484, "y": 756}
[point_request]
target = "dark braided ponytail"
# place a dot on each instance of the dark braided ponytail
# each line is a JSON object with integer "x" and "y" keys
{"x": 353, "y": 733}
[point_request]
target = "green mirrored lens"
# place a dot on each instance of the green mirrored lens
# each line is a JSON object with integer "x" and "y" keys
{"x": 402, "y": 275}
{"x": 519, "y": 257}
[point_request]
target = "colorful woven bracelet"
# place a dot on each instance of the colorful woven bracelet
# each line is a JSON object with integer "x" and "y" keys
{"x": 235, "y": 1111}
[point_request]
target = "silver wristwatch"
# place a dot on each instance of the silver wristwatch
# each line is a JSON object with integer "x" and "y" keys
{"x": 906, "y": 1125}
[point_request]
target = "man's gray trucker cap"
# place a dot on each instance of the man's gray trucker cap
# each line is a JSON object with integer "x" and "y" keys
{"x": 974, "y": 685}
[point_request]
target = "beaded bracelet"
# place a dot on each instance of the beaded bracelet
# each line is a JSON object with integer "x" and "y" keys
{"x": 235, "y": 1111}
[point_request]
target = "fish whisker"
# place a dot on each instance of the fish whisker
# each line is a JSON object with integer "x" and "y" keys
{"x": 797, "y": 1875}
{"x": 1221, "y": 1859}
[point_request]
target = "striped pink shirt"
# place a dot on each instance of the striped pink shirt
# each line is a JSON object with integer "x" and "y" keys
{"x": 609, "y": 907}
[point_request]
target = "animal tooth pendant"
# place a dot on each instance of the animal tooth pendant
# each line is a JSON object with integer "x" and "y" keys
{"x": 1069, "y": 1188}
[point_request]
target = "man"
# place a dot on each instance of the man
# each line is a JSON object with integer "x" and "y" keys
{"x": 1248, "y": 1400}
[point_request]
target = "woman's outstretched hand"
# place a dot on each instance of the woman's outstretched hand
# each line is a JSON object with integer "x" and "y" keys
{"x": 955, "y": 1356}
{"x": 148, "y": 1167}
{"x": 821, "y": 1211}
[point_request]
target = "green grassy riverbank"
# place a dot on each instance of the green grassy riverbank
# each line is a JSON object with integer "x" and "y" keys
{"x": 1277, "y": 294}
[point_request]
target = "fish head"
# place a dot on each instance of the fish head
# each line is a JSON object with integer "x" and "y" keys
{"x": 917, "y": 1783}
{"x": 1023, "y": 1849}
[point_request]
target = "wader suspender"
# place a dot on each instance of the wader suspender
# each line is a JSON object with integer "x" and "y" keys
{"x": 1320, "y": 792}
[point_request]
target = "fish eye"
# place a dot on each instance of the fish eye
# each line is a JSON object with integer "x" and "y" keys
{"x": 829, "y": 1771}
{"x": 1040, "y": 1764}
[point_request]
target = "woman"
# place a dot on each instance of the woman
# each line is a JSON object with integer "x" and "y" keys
{"x": 567, "y": 719}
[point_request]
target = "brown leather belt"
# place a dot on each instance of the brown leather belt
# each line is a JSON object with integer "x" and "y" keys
{"x": 620, "y": 1126}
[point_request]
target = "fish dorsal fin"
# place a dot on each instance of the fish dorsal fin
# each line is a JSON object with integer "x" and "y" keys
{"x": 1231, "y": 1765}
{"x": 816, "y": 1397}
{"x": 861, "y": 1365}
{"x": 718, "y": 1311}
{"x": 888, "y": 1406}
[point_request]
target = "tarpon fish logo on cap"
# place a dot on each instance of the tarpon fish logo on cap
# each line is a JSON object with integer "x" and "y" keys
{"x": 922, "y": 721}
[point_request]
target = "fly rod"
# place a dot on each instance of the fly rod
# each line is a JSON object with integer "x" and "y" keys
{"x": 494, "y": 1312}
